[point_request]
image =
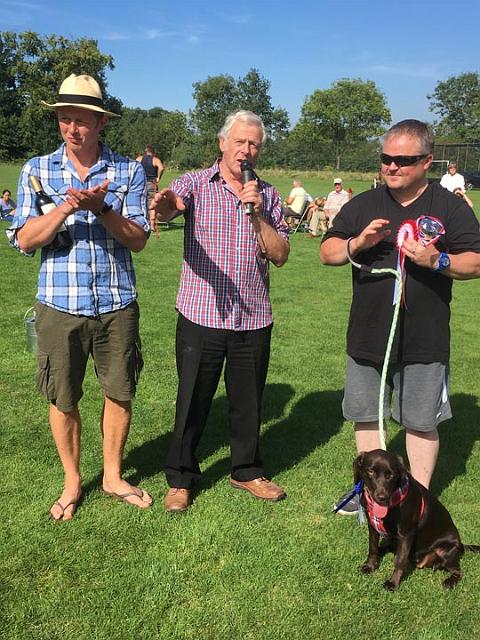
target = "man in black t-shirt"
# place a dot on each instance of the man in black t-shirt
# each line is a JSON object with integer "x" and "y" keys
{"x": 418, "y": 373}
{"x": 153, "y": 168}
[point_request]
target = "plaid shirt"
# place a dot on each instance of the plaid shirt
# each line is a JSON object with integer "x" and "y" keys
{"x": 225, "y": 281}
{"x": 95, "y": 275}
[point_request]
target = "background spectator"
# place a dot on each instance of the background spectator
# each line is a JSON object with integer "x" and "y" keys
{"x": 335, "y": 200}
{"x": 452, "y": 180}
{"x": 316, "y": 218}
{"x": 295, "y": 202}
{"x": 7, "y": 205}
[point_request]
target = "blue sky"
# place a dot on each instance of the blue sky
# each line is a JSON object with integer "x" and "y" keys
{"x": 161, "y": 47}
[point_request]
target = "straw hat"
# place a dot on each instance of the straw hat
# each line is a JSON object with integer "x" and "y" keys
{"x": 83, "y": 92}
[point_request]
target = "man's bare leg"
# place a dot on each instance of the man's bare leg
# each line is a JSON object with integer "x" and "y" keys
{"x": 422, "y": 450}
{"x": 367, "y": 437}
{"x": 115, "y": 424}
{"x": 66, "y": 429}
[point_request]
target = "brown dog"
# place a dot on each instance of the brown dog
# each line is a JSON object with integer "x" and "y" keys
{"x": 415, "y": 524}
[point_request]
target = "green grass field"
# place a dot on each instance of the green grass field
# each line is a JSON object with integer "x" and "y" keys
{"x": 232, "y": 567}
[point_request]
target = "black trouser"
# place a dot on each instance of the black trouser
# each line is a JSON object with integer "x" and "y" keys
{"x": 201, "y": 352}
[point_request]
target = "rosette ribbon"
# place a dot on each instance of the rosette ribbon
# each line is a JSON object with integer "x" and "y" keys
{"x": 426, "y": 230}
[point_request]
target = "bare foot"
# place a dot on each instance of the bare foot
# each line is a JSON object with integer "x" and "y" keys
{"x": 128, "y": 493}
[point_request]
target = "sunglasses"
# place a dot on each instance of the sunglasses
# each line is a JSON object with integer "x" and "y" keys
{"x": 401, "y": 161}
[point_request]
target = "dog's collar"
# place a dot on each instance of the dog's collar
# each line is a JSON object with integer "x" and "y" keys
{"x": 398, "y": 496}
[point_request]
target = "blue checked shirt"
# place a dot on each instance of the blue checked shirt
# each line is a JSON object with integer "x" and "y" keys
{"x": 95, "y": 275}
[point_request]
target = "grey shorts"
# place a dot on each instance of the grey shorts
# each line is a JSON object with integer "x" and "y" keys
{"x": 416, "y": 393}
{"x": 65, "y": 343}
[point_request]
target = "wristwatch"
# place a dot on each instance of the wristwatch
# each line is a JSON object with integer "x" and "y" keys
{"x": 105, "y": 209}
{"x": 443, "y": 262}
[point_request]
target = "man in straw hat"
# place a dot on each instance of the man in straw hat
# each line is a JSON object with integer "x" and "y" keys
{"x": 86, "y": 291}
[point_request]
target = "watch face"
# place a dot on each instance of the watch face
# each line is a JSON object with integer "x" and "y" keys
{"x": 443, "y": 262}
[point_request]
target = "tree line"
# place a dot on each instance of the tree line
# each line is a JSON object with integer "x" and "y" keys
{"x": 338, "y": 127}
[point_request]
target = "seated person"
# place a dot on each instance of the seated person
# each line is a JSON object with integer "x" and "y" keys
{"x": 452, "y": 180}
{"x": 335, "y": 200}
{"x": 316, "y": 217}
{"x": 295, "y": 202}
{"x": 7, "y": 206}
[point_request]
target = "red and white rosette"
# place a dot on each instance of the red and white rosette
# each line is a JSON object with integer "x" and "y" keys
{"x": 426, "y": 230}
{"x": 408, "y": 229}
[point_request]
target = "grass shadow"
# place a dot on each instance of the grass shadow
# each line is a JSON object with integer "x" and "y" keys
{"x": 148, "y": 459}
{"x": 288, "y": 441}
{"x": 140, "y": 463}
{"x": 314, "y": 419}
{"x": 457, "y": 437}
{"x": 282, "y": 445}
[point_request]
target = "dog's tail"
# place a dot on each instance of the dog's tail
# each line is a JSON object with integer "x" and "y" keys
{"x": 472, "y": 547}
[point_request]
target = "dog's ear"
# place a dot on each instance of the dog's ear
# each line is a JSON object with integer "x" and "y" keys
{"x": 358, "y": 467}
{"x": 402, "y": 467}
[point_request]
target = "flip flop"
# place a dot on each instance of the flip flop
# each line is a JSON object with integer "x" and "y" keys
{"x": 65, "y": 507}
{"x": 123, "y": 497}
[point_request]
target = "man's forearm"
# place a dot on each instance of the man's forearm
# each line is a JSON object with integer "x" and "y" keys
{"x": 333, "y": 252}
{"x": 39, "y": 231}
{"x": 463, "y": 266}
{"x": 273, "y": 245}
{"x": 126, "y": 232}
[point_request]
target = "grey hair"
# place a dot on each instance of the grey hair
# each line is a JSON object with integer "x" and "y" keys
{"x": 242, "y": 115}
{"x": 416, "y": 129}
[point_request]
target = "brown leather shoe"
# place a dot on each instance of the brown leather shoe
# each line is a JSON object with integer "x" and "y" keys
{"x": 260, "y": 488}
{"x": 178, "y": 500}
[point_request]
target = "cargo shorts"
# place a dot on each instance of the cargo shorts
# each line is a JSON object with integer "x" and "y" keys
{"x": 66, "y": 341}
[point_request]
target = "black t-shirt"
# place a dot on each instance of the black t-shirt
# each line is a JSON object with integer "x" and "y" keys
{"x": 423, "y": 333}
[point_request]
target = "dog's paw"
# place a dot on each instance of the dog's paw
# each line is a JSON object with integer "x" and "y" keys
{"x": 452, "y": 580}
{"x": 368, "y": 567}
{"x": 389, "y": 585}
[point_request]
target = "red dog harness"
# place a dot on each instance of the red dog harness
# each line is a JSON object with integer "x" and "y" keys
{"x": 377, "y": 512}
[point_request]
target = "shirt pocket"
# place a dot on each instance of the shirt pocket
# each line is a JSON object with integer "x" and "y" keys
{"x": 57, "y": 190}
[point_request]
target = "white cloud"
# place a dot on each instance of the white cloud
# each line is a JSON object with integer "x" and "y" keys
{"x": 141, "y": 35}
{"x": 18, "y": 4}
{"x": 414, "y": 71}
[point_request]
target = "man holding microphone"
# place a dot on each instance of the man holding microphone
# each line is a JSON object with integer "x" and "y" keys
{"x": 224, "y": 310}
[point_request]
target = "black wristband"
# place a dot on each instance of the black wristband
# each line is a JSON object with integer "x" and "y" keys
{"x": 105, "y": 209}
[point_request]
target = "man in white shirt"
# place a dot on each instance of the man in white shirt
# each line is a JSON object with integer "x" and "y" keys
{"x": 453, "y": 180}
{"x": 335, "y": 201}
{"x": 295, "y": 202}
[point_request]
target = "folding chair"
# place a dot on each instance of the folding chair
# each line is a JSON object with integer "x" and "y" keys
{"x": 303, "y": 213}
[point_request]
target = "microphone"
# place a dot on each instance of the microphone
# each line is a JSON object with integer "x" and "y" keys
{"x": 248, "y": 174}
